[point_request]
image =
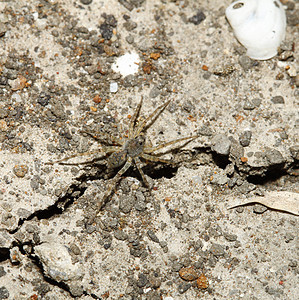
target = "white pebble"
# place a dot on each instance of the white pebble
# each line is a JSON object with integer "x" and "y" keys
{"x": 113, "y": 87}
{"x": 127, "y": 64}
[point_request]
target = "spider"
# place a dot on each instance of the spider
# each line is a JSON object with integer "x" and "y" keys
{"x": 124, "y": 153}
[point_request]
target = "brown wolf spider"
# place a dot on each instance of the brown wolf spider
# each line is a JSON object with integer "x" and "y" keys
{"x": 130, "y": 150}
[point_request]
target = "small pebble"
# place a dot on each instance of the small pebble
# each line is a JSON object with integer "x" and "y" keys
{"x": 85, "y": 2}
{"x": 257, "y": 102}
{"x": 15, "y": 256}
{"x": 248, "y": 105}
{"x": 217, "y": 250}
{"x": 152, "y": 236}
{"x": 274, "y": 157}
{"x": 142, "y": 280}
{"x": 4, "y": 293}
{"x": 198, "y": 18}
{"x": 155, "y": 92}
{"x": 230, "y": 237}
{"x": 245, "y": 62}
{"x": 113, "y": 87}
{"x": 289, "y": 237}
{"x": 277, "y": 100}
{"x": 245, "y": 138}
{"x": 20, "y": 170}
{"x": 259, "y": 209}
{"x": 221, "y": 144}
{"x": 202, "y": 282}
{"x": 2, "y": 271}
{"x": 183, "y": 287}
{"x": 188, "y": 274}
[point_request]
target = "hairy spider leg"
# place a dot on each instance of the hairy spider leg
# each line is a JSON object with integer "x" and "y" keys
{"x": 155, "y": 158}
{"x": 106, "y": 150}
{"x": 134, "y": 118}
{"x": 104, "y": 137}
{"x": 156, "y": 148}
{"x": 138, "y": 164}
{"x": 147, "y": 122}
{"x": 114, "y": 181}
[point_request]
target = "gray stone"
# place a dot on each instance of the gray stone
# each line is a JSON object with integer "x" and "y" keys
{"x": 130, "y": 39}
{"x": 126, "y": 203}
{"x": 142, "y": 280}
{"x": 205, "y": 131}
{"x": 295, "y": 151}
{"x": 23, "y": 213}
{"x": 4, "y": 293}
{"x": 219, "y": 179}
{"x": 245, "y": 138}
{"x": 155, "y": 92}
{"x": 120, "y": 235}
{"x": 76, "y": 289}
{"x": 85, "y": 2}
{"x": 152, "y": 236}
{"x": 230, "y": 237}
{"x": 277, "y": 100}
{"x": 183, "y": 287}
{"x": 274, "y": 157}
{"x": 197, "y": 18}
{"x": 259, "y": 209}
{"x": 256, "y": 102}
{"x": 221, "y": 144}
{"x": 217, "y": 250}
{"x": 289, "y": 237}
{"x": 2, "y": 271}
{"x": 140, "y": 203}
{"x": 248, "y": 105}
{"x": 245, "y": 62}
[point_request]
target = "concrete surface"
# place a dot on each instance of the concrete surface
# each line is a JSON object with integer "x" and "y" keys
{"x": 178, "y": 239}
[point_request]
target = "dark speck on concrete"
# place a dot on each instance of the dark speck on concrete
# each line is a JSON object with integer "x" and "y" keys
{"x": 198, "y": 18}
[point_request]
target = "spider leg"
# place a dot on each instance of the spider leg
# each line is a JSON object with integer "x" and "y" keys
{"x": 155, "y": 159}
{"x": 104, "y": 138}
{"x": 134, "y": 117}
{"x": 156, "y": 148}
{"x": 139, "y": 167}
{"x": 113, "y": 183}
{"x": 147, "y": 122}
{"x": 106, "y": 150}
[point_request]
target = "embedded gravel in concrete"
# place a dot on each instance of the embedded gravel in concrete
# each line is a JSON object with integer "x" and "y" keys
{"x": 178, "y": 239}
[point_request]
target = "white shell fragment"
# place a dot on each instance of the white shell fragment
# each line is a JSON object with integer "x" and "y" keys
{"x": 283, "y": 201}
{"x": 259, "y": 25}
{"x": 57, "y": 262}
{"x": 127, "y": 64}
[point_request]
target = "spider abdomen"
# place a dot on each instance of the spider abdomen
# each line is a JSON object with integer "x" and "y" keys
{"x": 117, "y": 159}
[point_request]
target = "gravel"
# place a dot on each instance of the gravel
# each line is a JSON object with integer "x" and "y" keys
{"x": 143, "y": 242}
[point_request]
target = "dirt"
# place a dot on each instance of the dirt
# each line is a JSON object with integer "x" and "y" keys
{"x": 177, "y": 238}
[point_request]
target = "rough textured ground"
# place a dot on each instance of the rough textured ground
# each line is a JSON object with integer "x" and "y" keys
{"x": 179, "y": 240}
